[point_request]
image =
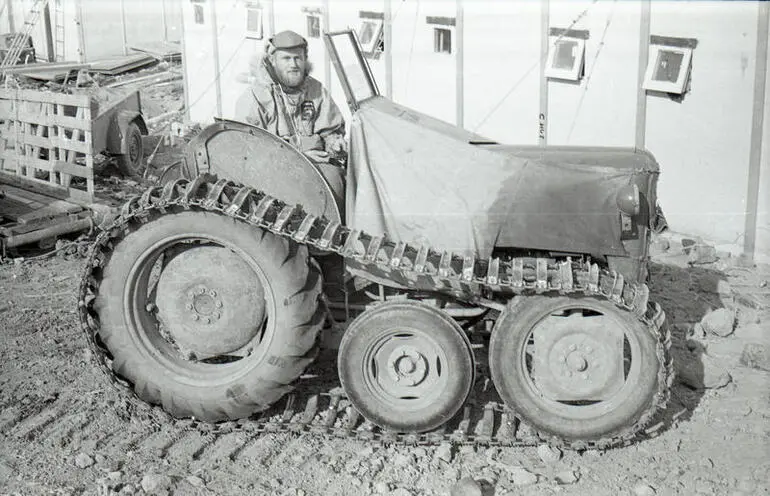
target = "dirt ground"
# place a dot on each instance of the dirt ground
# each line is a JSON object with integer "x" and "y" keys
{"x": 64, "y": 431}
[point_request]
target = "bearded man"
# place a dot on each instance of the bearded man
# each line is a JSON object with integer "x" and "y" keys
{"x": 285, "y": 100}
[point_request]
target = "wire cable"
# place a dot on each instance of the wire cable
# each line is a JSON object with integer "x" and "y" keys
{"x": 539, "y": 61}
{"x": 591, "y": 70}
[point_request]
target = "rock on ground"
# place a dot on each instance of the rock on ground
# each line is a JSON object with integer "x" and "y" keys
{"x": 548, "y": 454}
{"x": 82, "y": 460}
{"x": 522, "y": 477}
{"x": 156, "y": 483}
{"x": 720, "y": 322}
{"x": 756, "y": 356}
{"x": 642, "y": 489}
{"x": 700, "y": 372}
{"x": 467, "y": 486}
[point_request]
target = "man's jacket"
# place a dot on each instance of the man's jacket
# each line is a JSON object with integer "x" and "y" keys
{"x": 316, "y": 119}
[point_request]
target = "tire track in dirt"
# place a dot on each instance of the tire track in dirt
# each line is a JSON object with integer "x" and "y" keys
{"x": 32, "y": 424}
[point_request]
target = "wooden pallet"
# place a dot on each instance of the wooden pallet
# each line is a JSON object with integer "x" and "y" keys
{"x": 47, "y": 138}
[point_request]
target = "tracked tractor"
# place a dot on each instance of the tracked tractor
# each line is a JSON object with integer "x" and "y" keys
{"x": 208, "y": 296}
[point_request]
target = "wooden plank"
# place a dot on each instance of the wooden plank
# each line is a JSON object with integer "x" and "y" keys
{"x": 25, "y": 195}
{"x": 58, "y": 142}
{"x": 55, "y": 120}
{"x": 70, "y": 168}
{"x": 58, "y": 208}
{"x": 46, "y": 97}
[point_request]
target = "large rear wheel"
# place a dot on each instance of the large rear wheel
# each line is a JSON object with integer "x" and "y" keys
{"x": 580, "y": 369}
{"x": 207, "y": 315}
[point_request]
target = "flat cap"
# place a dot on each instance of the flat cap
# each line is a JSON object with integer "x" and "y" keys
{"x": 288, "y": 39}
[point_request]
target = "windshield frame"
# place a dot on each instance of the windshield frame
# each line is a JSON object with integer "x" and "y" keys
{"x": 342, "y": 75}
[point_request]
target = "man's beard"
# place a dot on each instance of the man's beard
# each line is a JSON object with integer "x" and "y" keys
{"x": 293, "y": 79}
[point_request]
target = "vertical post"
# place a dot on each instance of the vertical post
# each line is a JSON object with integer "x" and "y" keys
{"x": 81, "y": 31}
{"x": 123, "y": 26}
{"x": 757, "y": 124}
{"x": 217, "y": 69}
{"x": 641, "y": 94}
{"x": 460, "y": 65}
{"x": 388, "y": 46}
{"x": 185, "y": 82}
{"x": 163, "y": 20}
{"x": 9, "y": 7}
{"x": 542, "y": 118}
{"x": 271, "y": 19}
{"x": 51, "y": 55}
{"x": 327, "y": 59}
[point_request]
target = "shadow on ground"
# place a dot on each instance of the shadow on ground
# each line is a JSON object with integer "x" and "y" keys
{"x": 688, "y": 293}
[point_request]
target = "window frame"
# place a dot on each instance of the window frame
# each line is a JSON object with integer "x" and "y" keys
{"x": 317, "y": 17}
{"x": 198, "y": 7}
{"x": 437, "y": 30}
{"x": 678, "y": 87}
{"x": 371, "y": 47}
{"x": 574, "y": 73}
{"x": 257, "y": 34}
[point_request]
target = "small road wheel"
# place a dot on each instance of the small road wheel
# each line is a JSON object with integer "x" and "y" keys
{"x": 132, "y": 163}
{"x": 406, "y": 366}
{"x": 576, "y": 368}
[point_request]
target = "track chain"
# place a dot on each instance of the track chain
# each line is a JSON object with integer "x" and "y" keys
{"x": 410, "y": 266}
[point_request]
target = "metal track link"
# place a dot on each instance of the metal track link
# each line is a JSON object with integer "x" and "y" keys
{"x": 411, "y": 266}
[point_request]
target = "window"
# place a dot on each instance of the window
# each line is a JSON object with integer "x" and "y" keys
{"x": 313, "y": 26}
{"x": 253, "y": 22}
{"x": 442, "y": 40}
{"x": 668, "y": 69}
{"x": 198, "y": 11}
{"x": 565, "y": 58}
{"x": 370, "y": 35}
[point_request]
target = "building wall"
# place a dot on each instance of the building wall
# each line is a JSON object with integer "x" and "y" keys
{"x": 502, "y": 64}
{"x": 702, "y": 141}
{"x": 102, "y": 26}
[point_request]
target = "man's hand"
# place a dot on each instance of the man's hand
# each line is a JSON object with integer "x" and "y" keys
{"x": 319, "y": 156}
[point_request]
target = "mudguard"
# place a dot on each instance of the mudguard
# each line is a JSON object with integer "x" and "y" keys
{"x": 254, "y": 157}
{"x": 118, "y": 126}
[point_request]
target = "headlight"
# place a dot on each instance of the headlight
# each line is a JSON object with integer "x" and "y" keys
{"x": 628, "y": 200}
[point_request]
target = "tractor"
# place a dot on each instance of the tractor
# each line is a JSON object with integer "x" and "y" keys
{"x": 208, "y": 296}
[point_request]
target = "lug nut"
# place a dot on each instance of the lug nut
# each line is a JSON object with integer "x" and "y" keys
{"x": 150, "y": 307}
{"x": 585, "y": 377}
{"x": 189, "y": 306}
{"x": 589, "y": 349}
{"x": 195, "y": 317}
{"x": 216, "y": 315}
{"x": 201, "y": 290}
{"x": 218, "y": 304}
{"x": 213, "y": 293}
{"x": 191, "y": 294}
{"x": 208, "y": 320}
{"x": 572, "y": 347}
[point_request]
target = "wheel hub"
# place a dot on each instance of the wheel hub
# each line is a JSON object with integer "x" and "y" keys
{"x": 407, "y": 366}
{"x": 210, "y": 301}
{"x": 578, "y": 358}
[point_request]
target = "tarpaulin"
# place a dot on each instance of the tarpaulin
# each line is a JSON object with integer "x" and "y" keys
{"x": 421, "y": 180}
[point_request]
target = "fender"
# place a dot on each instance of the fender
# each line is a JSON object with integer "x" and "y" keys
{"x": 253, "y": 157}
{"x": 117, "y": 130}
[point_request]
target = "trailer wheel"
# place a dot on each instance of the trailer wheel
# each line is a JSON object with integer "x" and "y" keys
{"x": 208, "y": 316}
{"x": 132, "y": 163}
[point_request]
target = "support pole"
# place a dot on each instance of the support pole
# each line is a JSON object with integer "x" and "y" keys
{"x": 11, "y": 24}
{"x": 327, "y": 59}
{"x": 50, "y": 53}
{"x": 388, "y": 45}
{"x": 163, "y": 20}
{"x": 460, "y": 65}
{"x": 641, "y": 93}
{"x": 271, "y": 19}
{"x": 757, "y": 124}
{"x": 81, "y": 31}
{"x": 542, "y": 118}
{"x": 217, "y": 69}
{"x": 185, "y": 67}
{"x": 123, "y": 26}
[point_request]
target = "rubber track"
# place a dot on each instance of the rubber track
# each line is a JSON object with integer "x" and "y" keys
{"x": 411, "y": 266}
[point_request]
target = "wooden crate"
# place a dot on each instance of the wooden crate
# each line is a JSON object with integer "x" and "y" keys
{"x": 46, "y": 137}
